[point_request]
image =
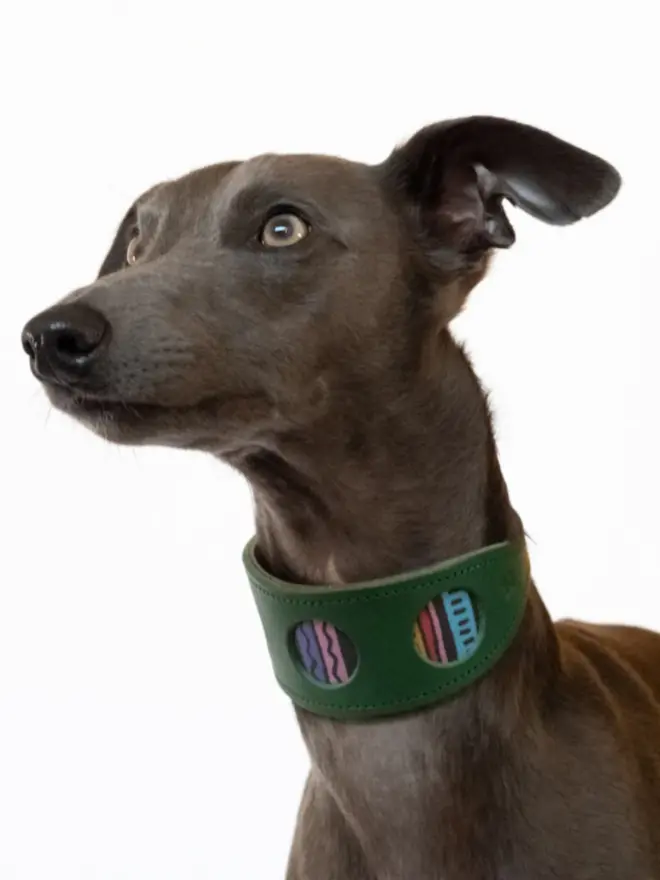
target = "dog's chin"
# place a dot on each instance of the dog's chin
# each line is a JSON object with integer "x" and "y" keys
{"x": 213, "y": 424}
{"x": 132, "y": 423}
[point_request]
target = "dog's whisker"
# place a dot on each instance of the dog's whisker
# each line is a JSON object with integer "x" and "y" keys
{"x": 49, "y": 410}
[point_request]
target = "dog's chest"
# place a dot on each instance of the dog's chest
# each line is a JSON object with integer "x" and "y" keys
{"x": 416, "y": 806}
{"x": 392, "y": 785}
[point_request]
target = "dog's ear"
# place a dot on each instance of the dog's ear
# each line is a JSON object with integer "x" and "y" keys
{"x": 456, "y": 174}
{"x": 115, "y": 259}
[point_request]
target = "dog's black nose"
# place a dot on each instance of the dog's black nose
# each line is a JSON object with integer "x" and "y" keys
{"x": 62, "y": 341}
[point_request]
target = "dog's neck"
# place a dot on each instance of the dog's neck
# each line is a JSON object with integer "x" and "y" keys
{"x": 378, "y": 486}
{"x": 373, "y": 494}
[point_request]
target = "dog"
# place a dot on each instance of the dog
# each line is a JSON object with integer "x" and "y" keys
{"x": 290, "y": 315}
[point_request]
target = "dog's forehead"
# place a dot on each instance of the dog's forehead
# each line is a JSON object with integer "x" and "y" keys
{"x": 190, "y": 189}
{"x": 324, "y": 178}
{"x": 329, "y": 181}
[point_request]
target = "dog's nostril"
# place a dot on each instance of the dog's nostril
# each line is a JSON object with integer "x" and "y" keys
{"x": 72, "y": 344}
{"x": 29, "y": 345}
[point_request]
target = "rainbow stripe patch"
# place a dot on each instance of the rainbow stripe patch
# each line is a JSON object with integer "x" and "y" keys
{"x": 446, "y": 630}
{"x": 326, "y": 654}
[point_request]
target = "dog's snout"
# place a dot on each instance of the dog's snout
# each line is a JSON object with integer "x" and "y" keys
{"x": 63, "y": 340}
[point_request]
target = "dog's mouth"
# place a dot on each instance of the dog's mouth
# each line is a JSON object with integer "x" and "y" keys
{"x": 126, "y": 420}
{"x": 84, "y": 405}
{"x": 199, "y": 425}
{"x": 137, "y": 423}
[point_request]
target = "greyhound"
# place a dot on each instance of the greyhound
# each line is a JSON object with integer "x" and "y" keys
{"x": 290, "y": 315}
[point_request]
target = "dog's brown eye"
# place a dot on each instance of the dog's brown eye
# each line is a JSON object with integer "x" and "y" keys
{"x": 283, "y": 230}
{"x": 132, "y": 249}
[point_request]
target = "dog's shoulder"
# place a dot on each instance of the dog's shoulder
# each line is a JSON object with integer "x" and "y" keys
{"x": 626, "y": 658}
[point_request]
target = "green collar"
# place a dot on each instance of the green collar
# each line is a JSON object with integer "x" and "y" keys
{"x": 390, "y": 646}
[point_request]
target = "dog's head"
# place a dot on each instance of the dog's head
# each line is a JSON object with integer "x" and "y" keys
{"x": 246, "y": 298}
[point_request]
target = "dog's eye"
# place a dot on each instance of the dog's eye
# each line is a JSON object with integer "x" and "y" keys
{"x": 284, "y": 230}
{"x": 132, "y": 253}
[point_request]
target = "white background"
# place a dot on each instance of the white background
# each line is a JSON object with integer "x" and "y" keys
{"x": 141, "y": 734}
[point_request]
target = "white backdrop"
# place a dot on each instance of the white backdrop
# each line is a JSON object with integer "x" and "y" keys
{"x": 128, "y": 748}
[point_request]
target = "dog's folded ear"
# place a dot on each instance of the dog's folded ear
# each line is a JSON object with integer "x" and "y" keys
{"x": 115, "y": 259}
{"x": 456, "y": 174}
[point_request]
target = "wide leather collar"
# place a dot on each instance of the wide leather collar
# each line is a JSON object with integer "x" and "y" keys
{"x": 394, "y": 645}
